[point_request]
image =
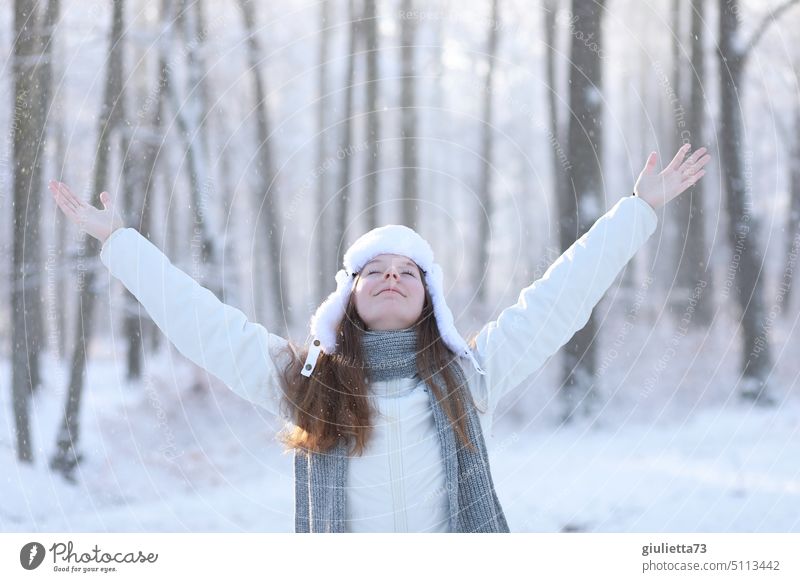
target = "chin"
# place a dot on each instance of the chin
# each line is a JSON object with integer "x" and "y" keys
{"x": 389, "y": 327}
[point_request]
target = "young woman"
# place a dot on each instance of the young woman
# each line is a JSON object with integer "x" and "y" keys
{"x": 387, "y": 407}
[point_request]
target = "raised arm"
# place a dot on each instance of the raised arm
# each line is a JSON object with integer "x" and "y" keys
{"x": 213, "y": 335}
{"x": 550, "y": 311}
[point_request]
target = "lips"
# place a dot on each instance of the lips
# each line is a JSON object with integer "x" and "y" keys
{"x": 390, "y": 290}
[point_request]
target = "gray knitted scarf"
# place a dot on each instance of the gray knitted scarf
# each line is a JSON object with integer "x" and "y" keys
{"x": 321, "y": 478}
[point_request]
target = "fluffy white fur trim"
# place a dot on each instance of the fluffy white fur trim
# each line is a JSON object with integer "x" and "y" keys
{"x": 390, "y": 239}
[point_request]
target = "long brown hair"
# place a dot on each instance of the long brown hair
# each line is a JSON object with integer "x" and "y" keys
{"x": 334, "y": 401}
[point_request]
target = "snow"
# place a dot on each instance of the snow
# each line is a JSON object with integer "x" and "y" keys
{"x": 592, "y": 96}
{"x": 588, "y": 207}
{"x": 225, "y": 471}
{"x": 662, "y": 464}
{"x": 727, "y": 470}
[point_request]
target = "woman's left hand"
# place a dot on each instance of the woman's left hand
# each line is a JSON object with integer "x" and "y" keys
{"x": 680, "y": 174}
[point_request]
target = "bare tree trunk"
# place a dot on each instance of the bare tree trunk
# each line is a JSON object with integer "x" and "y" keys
{"x": 55, "y": 128}
{"x": 677, "y": 78}
{"x": 133, "y": 176}
{"x": 66, "y": 456}
{"x": 648, "y": 101}
{"x": 373, "y": 115}
{"x": 558, "y": 168}
{"x": 61, "y": 310}
{"x": 410, "y": 177}
{"x": 585, "y": 177}
{"x": 696, "y": 273}
{"x": 678, "y": 210}
{"x": 484, "y": 185}
{"x": 743, "y": 226}
{"x": 201, "y": 176}
{"x": 35, "y": 297}
{"x": 347, "y": 137}
{"x": 434, "y": 69}
{"x": 189, "y": 115}
{"x": 793, "y": 217}
{"x": 25, "y": 286}
{"x": 203, "y": 181}
{"x": 160, "y": 169}
{"x": 131, "y": 180}
{"x": 557, "y": 141}
{"x": 324, "y": 258}
{"x": 139, "y": 167}
{"x": 278, "y": 312}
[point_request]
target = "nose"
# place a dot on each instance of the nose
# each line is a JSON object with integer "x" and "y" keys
{"x": 392, "y": 272}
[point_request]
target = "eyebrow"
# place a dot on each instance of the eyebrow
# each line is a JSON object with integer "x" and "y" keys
{"x": 379, "y": 260}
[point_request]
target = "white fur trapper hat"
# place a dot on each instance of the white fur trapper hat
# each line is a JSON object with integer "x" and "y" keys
{"x": 390, "y": 239}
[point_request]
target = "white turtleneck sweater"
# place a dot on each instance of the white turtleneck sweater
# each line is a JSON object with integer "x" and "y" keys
{"x": 398, "y": 484}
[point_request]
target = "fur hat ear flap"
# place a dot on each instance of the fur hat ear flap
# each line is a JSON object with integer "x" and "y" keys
{"x": 444, "y": 317}
{"x": 330, "y": 313}
{"x": 326, "y": 320}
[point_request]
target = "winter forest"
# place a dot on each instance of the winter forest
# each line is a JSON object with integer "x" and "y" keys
{"x": 252, "y": 142}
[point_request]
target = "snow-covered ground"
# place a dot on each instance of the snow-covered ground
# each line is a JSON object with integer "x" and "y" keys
{"x": 729, "y": 470}
{"x": 686, "y": 456}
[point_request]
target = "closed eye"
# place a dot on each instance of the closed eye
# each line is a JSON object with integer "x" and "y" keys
{"x": 404, "y": 272}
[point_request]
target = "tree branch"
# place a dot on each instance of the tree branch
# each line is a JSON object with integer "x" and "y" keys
{"x": 773, "y": 15}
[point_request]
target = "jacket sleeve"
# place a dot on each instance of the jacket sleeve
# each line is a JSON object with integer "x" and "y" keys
{"x": 551, "y": 310}
{"x": 213, "y": 335}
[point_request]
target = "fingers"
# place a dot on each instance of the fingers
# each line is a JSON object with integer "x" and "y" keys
{"x": 65, "y": 191}
{"x": 649, "y": 164}
{"x": 694, "y": 168}
{"x": 676, "y": 161}
{"x": 695, "y": 162}
{"x": 695, "y": 156}
{"x": 66, "y": 207}
{"x": 692, "y": 180}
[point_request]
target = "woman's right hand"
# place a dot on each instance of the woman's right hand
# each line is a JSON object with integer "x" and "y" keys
{"x": 98, "y": 223}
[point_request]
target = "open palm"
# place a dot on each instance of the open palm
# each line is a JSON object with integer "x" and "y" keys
{"x": 659, "y": 189}
{"x": 96, "y": 222}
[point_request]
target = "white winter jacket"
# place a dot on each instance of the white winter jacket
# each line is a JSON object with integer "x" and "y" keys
{"x": 398, "y": 484}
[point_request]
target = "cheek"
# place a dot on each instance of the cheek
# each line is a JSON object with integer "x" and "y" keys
{"x": 364, "y": 287}
{"x": 362, "y": 292}
{"x": 419, "y": 293}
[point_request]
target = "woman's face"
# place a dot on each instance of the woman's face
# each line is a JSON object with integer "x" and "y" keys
{"x": 389, "y": 293}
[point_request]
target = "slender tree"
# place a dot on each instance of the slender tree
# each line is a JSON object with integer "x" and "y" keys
{"x": 26, "y": 287}
{"x": 43, "y": 70}
{"x": 696, "y": 269}
{"x": 559, "y": 174}
{"x": 743, "y": 225}
{"x": 266, "y": 176}
{"x": 678, "y": 211}
{"x": 141, "y": 149}
{"x": 793, "y": 216}
{"x": 373, "y": 114}
{"x": 345, "y": 141}
{"x": 325, "y": 266}
{"x": 580, "y": 208}
{"x": 410, "y": 173}
{"x": 487, "y": 145}
{"x": 190, "y": 114}
{"x": 66, "y": 456}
